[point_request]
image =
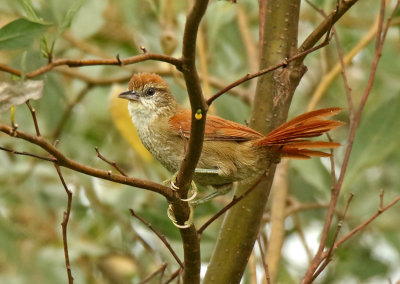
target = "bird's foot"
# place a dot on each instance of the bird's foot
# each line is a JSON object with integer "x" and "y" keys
{"x": 186, "y": 224}
{"x": 192, "y": 193}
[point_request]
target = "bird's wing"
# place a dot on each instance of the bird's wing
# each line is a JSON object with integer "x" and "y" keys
{"x": 216, "y": 128}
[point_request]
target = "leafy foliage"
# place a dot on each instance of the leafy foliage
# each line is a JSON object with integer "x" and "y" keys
{"x": 103, "y": 237}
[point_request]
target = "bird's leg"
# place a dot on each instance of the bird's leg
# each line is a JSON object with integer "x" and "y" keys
{"x": 192, "y": 190}
{"x": 207, "y": 171}
{"x": 219, "y": 190}
{"x": 186, "y": 224}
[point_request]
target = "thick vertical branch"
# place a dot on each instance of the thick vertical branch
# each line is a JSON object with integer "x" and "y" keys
{"x": 271, "y": 104}
{"x": 197, "y": 102}
{"x": 191, "y": 242}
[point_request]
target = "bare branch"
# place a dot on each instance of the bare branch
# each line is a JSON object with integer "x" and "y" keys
{"x": 113, "y": 164}
{"x": 196, "y": 98}
{"x": 64, "y": 224}
{"x": 68, "y": 111}
{"x": 340, "y": 55}
{"x": 161, "y": 270}
{"x": 174, "y": 275}
{"x": 265, "y": 265}
{"x": 33, "y": 113}
{"x": 326, "y": 25}
{"x": 360, "y": 227}
{"x": 328, "y": 258}
{"x": 364, "y": 224}
{"x": 354, "y": 122}
{"x": 234, "y": 201}
{"x": 64, "y": 161}
{"x": 67, "y": 213}
{"x": 159, "y": 235}
{"x": 182, "y": 210}
{"x": 282, "y": 64}
{"x": 90, "y": 62}
{"x": 28, "y": 154}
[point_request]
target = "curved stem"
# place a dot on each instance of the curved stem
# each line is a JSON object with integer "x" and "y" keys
{"x": 60, "y": 159}
{"x": 190, "y": 238}
{"x": 90, "y": 62}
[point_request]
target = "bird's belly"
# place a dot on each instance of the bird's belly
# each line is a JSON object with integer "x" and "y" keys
{"x": 234, "y": 161}
{"x": 167, "y": 150}
{"x": 231, "y": 161}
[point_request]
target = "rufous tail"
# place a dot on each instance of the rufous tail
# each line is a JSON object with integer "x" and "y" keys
{"x": 290, "y": 135}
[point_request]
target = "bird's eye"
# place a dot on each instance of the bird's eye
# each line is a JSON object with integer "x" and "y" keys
{"x": 150, "y": 91}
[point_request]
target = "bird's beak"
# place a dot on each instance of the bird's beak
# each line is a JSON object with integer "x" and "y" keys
{"x": 129, "y": 95}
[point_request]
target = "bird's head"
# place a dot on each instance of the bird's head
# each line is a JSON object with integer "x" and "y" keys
{"x": 149, "y": 95}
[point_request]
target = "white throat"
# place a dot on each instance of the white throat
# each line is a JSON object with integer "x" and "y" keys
{"x": 141, "y": 118}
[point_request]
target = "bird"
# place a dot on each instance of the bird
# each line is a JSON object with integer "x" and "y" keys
{"x": 231, "y": 151}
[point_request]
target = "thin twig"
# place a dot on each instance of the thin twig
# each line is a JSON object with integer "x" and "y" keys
{"x": 333, "y": 166}
{"x": 33, "y": 113}
{"x": 29, "y": 154}
{"x": 265, "y": 265}
{"x": 162, "y": 275}
{"x": 161, "y": 270}
{"x": 343, "y": 71}
{"x": 173, "y": 275}
{"x": 159, "y": 235}
{"x": 64, "y": 161}
{"x": 340, "y": 55}
{"x": 361, "y": 226}
{"x": 354, "y": 122}
{"x": 266, "y": 70}
{"x": 90, "y": 62}
{"x": 64, "y": 224}
{"x": 296, "y": 207}
{"x": 328, "y": 257}
{"x": 364, "y": 224}
{"x": 234, "y": 201}
{"x": 67, "y": 213}
{"x": 327, "y": 24}
{"x": 113, "y": 164}
{"x": 241, "y": 93}
{"x": 68, "y": 111}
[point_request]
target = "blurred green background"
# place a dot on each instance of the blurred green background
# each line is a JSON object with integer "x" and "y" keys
{"x": 106, "y": 244}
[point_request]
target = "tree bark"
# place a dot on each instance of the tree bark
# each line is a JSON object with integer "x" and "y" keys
{"x": 271, "y": 104}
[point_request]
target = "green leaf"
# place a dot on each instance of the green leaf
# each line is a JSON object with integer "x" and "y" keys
{"x": 69, "y": 16}
{"x": 29, "y": 10}
{"x": 20, "y": 34}
{"x": 31, "y": 13}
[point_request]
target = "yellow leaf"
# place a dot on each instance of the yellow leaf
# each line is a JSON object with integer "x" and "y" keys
{"x": 122, "y": 120}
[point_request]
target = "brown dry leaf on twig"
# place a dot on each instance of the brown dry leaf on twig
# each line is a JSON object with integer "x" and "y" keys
{"x": 14, "y": 93}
